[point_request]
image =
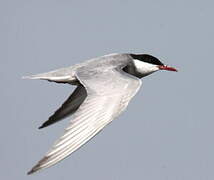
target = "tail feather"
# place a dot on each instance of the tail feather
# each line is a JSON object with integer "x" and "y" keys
{"x": 63, "y": 75}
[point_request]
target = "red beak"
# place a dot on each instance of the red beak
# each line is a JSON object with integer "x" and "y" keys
{"x": 167, "y": 68}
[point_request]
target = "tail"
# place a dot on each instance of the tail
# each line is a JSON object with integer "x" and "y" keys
{"x": 64, "y": 75}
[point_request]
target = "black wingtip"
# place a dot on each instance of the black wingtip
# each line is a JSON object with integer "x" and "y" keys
{"x": 34, "y": 169}
{"x": 38, "y": 166}
{"x": 43, "y": 126}
{"x": 31, "y": 172}
{"x": 40, "y": 127}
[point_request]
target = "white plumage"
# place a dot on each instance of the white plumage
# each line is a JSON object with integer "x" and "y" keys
{"x": 105, "y": 87}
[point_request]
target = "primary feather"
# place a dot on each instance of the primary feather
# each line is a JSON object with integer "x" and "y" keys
{"x": 108, "y": 94}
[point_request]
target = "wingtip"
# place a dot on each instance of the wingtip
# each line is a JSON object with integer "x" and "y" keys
{"x": 38, "y": 166}
{"x": 33, "y": 170}
{"x": 43, "y": 126}
{"x": 40, "y": 127}
{"x": 30, "y": 172}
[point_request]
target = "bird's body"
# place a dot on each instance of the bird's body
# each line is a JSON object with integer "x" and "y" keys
{"x": 67, "y": 75}
{"x": 105, "y": 86}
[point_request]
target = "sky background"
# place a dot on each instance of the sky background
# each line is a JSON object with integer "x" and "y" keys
{"x": 167, "y": 131}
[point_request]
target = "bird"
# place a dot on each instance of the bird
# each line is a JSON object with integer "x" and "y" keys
{"x": 104, "y": 87}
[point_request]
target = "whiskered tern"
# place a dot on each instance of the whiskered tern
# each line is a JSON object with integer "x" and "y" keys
{"x": 105, "y": 86}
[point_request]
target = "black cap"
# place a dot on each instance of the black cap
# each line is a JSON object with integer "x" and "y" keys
{"x": 147, "y": 58}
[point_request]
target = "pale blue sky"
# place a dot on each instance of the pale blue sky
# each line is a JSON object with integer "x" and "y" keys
{"x": 166, "y": 132}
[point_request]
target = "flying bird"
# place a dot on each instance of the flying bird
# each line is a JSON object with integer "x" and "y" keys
{"x": 105, "y": 86}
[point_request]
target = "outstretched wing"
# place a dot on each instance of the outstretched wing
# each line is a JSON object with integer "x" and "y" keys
{"x": 68, "y": 107}
{"x": 108, "y": 94}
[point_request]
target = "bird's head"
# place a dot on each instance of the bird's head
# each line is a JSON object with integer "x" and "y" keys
{"x": 145, "y": 64}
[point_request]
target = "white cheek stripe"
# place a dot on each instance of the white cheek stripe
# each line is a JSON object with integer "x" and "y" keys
{"x": 142, "y": 64}
{"x": 145, "y": 68}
